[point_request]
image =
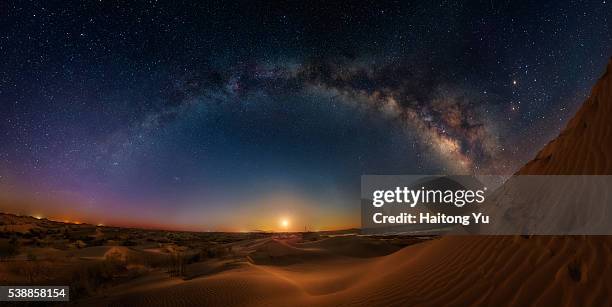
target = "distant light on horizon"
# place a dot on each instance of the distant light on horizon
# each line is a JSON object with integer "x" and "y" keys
{"x": 284, "y": 223}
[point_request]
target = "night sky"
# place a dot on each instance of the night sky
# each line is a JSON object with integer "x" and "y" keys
{"x": 220, "y": 116}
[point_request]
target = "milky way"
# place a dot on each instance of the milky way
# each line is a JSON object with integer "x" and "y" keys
{"x": 445, "y": 117}
{"x": 180, "y": 113}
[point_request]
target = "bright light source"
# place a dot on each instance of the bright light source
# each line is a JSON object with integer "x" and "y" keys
{"x": 285, "y": 223}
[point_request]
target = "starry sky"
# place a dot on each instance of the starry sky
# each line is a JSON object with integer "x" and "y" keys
{"x": 207, "y": 115}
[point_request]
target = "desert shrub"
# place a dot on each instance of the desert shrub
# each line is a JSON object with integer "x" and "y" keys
{"x": 164, "y": 240}
{"x": 218, "y": 251}
{"x": 88, "y": 279}
{"x": 193, "y": 258}
{"x": 9, "y": 248}
{"x": 149, "y": 260}
{"x": 176, "y": 264}
{"x": 33, "y": 270}
{"x": 159, "y": 261}
{"x": 211, "y": 252}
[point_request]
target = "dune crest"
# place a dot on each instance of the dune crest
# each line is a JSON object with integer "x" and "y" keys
{"x": 583, "y": 147}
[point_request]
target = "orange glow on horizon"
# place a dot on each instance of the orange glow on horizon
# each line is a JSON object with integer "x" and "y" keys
{"x": 290, "y": 213}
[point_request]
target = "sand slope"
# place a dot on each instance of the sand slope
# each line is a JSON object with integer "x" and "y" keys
{"x": 584, "y": 147}
{"x": 451, "y": 271}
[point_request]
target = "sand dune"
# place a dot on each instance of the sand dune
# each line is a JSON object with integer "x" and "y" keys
{"x": 583, "y": 147}
{"x": 279, "y": 252}
{"x": 352, "y": 246}
{"x": 449, "y": 271}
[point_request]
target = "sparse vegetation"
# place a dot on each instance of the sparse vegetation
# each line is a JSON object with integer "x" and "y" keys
{"x": 91, "y": 258}
{"x": 8, "y": 248}
{"x": 89, "y": 279}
